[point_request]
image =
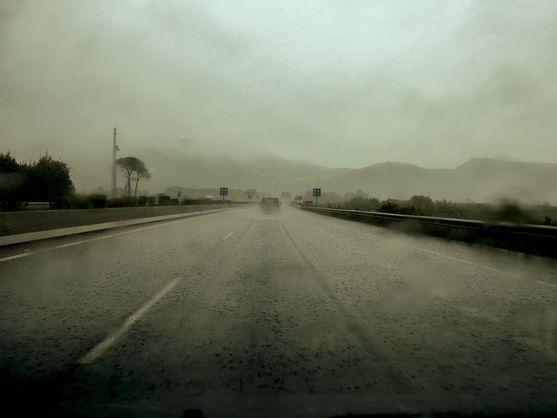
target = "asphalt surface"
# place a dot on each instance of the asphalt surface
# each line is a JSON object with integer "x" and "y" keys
{"x": 248, "y": 313}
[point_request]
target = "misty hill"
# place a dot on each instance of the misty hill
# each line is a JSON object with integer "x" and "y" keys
{"x": 479, "y": 179}
{"x": 271, "y": 174}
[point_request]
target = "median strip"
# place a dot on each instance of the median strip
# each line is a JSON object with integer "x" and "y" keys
{"x": 74, "y": 230}
{"x": 182, "y": 217}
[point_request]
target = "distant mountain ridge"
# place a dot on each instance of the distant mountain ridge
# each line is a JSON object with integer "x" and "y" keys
{"x": 479, "y": 179}
{"x": 271, "y": 174}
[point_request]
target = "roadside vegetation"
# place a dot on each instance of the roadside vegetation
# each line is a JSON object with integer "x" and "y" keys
{"x": 47, "y": 184}
{"x": 46, "y": 180}
{"x": 133, "y": 170}
{"x": 420, "y": 205}
{"x": 505, "y": 211}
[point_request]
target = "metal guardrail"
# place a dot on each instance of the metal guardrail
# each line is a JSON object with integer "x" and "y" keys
{"x": 525, "y": 229}
{"x": 534, "y": 239}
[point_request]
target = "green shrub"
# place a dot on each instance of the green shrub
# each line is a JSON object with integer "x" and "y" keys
{"x": 77, "y": 201}
{"x": 164, "y": 200}
{"x": 97, "y": 200}
{"x": 362, "y": 203}
{"x": 129, "y": 201}
{"x": 422, "y": 205}
{"x": 201, "y": 201}
{"x": 114, "y": 203}
{"x": 122, "y": 202}
{"x": 389, "y": 207}
{"x": 511, "y": 212}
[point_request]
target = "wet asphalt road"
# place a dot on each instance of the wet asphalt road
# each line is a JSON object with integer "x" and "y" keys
{"x": 252, "y": 314}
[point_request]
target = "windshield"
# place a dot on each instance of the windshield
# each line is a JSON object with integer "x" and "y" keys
{"x": 306, "y": 209}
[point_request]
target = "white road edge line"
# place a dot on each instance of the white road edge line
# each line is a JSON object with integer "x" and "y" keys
{"x": 460, "y": 260}
{"x": 111, "y": 339}
{"x": 228, "y": 236}
{"x": 13, "y": 257}
{"x": 545, "y": 283}
{"x": 502, "y": 272}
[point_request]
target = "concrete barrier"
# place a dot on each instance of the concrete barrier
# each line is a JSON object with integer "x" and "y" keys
{"x": 30, "y": 221}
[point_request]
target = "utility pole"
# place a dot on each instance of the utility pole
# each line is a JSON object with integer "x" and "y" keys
{"x": 114, "y": 149}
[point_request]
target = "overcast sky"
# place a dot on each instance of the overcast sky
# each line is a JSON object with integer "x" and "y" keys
{"x": 339, "y": 83}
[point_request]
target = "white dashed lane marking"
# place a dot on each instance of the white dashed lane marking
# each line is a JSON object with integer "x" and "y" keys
{"x": 113, "y": 338}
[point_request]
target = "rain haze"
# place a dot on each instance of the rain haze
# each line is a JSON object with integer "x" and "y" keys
{"x": 278, "y": 209}
{"x": 337, "y": 84}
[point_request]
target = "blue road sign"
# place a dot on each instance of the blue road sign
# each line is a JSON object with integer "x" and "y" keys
{"x": 317, "y": 192}
{"x": 224, "y": 191}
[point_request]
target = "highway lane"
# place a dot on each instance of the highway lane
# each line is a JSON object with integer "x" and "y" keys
{"x": 248, "y": 313}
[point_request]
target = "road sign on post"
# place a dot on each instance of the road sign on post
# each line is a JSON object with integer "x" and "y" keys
{"x": 223, "y": 192}
{"x": 316, "y": 194}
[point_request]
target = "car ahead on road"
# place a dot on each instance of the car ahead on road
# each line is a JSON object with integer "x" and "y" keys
{"x": 269, "y": 203}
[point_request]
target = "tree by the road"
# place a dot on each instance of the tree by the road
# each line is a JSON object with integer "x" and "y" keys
{"x": 423, "y": 205}
{"x": 8, "y": 163}
{"x": 134, "y": 170}
{"x": 11, "y": 180}
{"x": 48, "y": 180}
{"x": 140, "y": 173}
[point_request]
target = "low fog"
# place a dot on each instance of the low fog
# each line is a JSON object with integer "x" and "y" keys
{"x": 335, "y": 85}
{"x": 332, "y": 208}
